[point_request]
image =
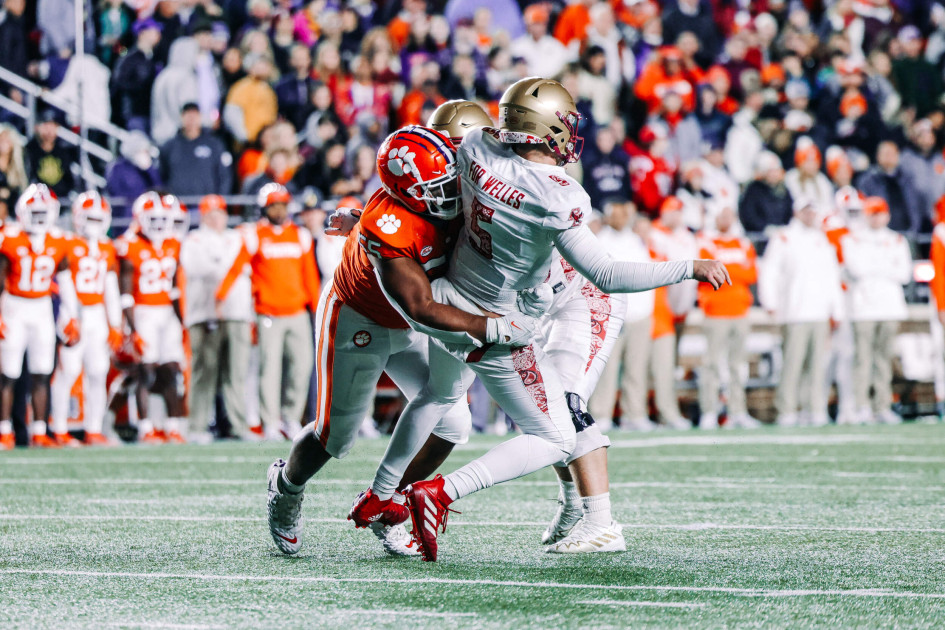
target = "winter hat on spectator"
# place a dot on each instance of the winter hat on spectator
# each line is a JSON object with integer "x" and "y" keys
{"x": 351, "y": 202}
{"x": 850, "y": 66}
{"x": 670, "y": 53}
{"x": 797, "y": 120}
{"x": 851, "y": 102}
{"x": 909, "y": 33}
{"x": 49, "y": 114}
{"x": 802, "y": 203}
{"x": 836, "y": 159}
{"x": 773, "y": 72}
{"x": 536, "y": 14}
{"x": 145, "y": 24}
{"x": 209, "y": 203}
{"x": 875, "y": 205}
{"x": 795, "y": 88}
{"x": 806, "y": 150}
{"x": 670, "y": 204}
{"x": 653, "y": 132}
{"x": 765, "y": 162}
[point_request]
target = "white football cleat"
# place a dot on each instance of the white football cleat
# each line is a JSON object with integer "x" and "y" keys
{"x": 285, "y": 513}
{"x": 788, "y": 420}
{"x": 396, "y": 540}
{"x": 709, "y": 421}
{"x": 563, "y": 522}
{"x": 677, "y": 423}
{"x": 742, "y": 421}
{"x": 637, "y": 424}
{"x": 590, "y": 537}
{"x": 888, "y": 416}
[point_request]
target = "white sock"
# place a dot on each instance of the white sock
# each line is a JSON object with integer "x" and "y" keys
{"x": 6, "y": 427}
{"x": 597, "y": 508}
{"x": 173, "y": 425}
{"x": 59, "y": 396}
{"x": 516, "y": 458}
{"x": 399, "y": 498}
{"x": 145, "y": 426}
{"x": 287, "y": 486}
{"x": 568, "y": 494}
{"x": 96, "y": 395}
{"x": 39, "y": 427}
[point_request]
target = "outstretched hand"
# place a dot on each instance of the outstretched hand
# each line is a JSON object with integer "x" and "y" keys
{"x": 711, "y": 271}
{"x": 342, "y": 221}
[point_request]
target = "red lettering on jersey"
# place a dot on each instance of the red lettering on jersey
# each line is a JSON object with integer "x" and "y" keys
{"x": 503, "y": 192}
{"x": 559, "y": 180}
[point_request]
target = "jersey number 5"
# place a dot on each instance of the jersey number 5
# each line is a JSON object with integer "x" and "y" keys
{"x": 36, "y": 273}
{"x": 481, "y": 214}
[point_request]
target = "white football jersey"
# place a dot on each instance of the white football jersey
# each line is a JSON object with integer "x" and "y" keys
{"x": 514, "y": 209}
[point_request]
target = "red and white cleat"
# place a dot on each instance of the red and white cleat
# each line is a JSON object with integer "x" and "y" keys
{"x": 66, "y": 440}
{"x": 429, "y": 509}
{"x": 43, "y": 441}
{"x": 368, "y": 509}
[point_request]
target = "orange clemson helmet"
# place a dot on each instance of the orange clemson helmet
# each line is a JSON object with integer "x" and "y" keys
{"x": 417, "y": 166}
{"x": 91, "y": 215}
{"x": 180, "y": 220}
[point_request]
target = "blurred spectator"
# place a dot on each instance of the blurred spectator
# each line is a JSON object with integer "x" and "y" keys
{"x": 113, "y": 21}
{"x": 743, "y": 144}
{"x": 918, "y": 82}
{"x": 423, "y": 91}
{"x": 133, "y": 78}
{"x": 505, "y": 14}
{"x": 219, "y": 333}
{"x": 665, "y": 73}
{"x": 877, "y": 263}
{"x": 285, "y": 288}
{"x": 545, "y": 55}
{"x": 94, "y": 76}
{"x": 281, "y": 166}
{"x": 292, "y": 90}
{"x": 132, "y": 174}
{"x": 12, "y": 167}
{"x": 175, "y": 86}
{"x": 14, "y": 47}
{"x": 717, "y": 184}
{"x": 685, "y": 137}
{"x": 463, "y": 83}
{"x": 799, "y": 285}
{"x": 925, "y": 166}
{"x": 571, "y": 27}
{"x": 360, "y": 93}
{"x": 693, "y": 16}
{"x": 669, "y": 239}
{"x": 651, "y": 173}
{"x": 839, "y": 167}
{"x": 620, "y": 63}
{"x": 50, "y": 160}
{"x": 888, "y": 180}
{"x": 594, "y": 86}
{"x": 251, "y": 103}
{"x": 726, "y": 322}
{"x": 627, "y": 369}
{"x": 806, "y": 181}
{"x": 209, "y": 72}
{"x": 699, "y": 211}
{"x": 605, "y": 169}
{"x": 713, "y": 122}
{"x": 195, "y": 162}
{"x": 767, "y": 200}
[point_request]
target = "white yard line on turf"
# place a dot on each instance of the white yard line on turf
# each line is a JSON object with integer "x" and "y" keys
{"x": 804, "y": 439}
{"x": 168, "y": 626}
{"x": 405, "y": 613}
{"x": 615, "y": 602}
{"x": 439, "y": 581}
{"x": 26, "y": 519}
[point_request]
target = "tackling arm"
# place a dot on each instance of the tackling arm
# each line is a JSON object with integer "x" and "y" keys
{"x": 582, "y": 250}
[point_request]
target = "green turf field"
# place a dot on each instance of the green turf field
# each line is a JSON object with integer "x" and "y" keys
{"x": 832, "y": 527}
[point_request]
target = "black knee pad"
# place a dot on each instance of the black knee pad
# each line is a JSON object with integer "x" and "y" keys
{"x": 581, "y": 419}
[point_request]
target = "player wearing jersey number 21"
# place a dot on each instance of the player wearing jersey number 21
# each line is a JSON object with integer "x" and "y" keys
{"x": 368, "y": 320}
{"x": 32, "y": 251}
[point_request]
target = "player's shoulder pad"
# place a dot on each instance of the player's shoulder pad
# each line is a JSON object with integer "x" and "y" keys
{"x": 389, "y": 223}
{"x": 567, "y": 203}
{"x": 11, "y": 230}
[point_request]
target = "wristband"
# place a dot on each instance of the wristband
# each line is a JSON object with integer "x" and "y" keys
{"x": 126, "y": 301}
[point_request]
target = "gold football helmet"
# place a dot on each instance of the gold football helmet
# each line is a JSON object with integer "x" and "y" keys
{"x": 454, "y": 119}
{"x": 541, "y": 111}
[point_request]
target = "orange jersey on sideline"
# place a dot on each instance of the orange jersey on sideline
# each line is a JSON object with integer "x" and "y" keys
{"x": 154, "y": 268}
{"x": 388, "y": 230}
{"x": 89, "y": 266}
{"x": 284, "y": 276}
{"x": 738, "y": 255}
{"x": 33, "y": 262}
{"x": 937, "y": 285}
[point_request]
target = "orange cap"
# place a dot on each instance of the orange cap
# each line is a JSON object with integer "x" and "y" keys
{"x": 773, "y": 72}
{"x": 875, "y": 205}
{"x": 836, "y": 159}
{"x": 670, "y": 53}
{"x": 212, "y": 202}
{"x": 535, "y": 14}
{"x": 717, "y": 72}
{"x": 351, "y": 201}
{"x": 850, "y": 101}
{"x": 806, "y": 150}
{"x": 670, "y": 204}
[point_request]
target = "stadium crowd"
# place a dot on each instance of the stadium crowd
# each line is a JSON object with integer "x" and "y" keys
{"x": 819, "y": 125}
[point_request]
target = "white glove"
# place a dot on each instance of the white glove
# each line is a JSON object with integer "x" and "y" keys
{"x": 342, "y": 221}
{"x": 514, "y": 329}
{"x": 536, "y": 301}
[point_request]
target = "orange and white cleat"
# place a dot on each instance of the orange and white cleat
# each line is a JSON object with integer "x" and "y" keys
{"x": 175, "y": 438}
{"x": 97, "y": 439}
{"x": 7, "y": 442}
{"x": 153, "y": 437}
{"x": 66, "y": 440}
{"x": 43, "y": 441}
{"x": 429, "y": 509}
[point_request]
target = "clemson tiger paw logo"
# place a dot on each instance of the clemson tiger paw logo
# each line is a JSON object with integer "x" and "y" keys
{"x": 399, "y": 161}
{"x": 388, "y": 223}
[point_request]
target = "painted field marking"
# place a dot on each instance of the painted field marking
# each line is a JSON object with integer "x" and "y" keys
{"x": 29, "y": 518}
{"x": 413, "y": 581}
{"x": 405, "y": 613}
{"x": 156, "y": 624}
{"x": 616, "y": 602}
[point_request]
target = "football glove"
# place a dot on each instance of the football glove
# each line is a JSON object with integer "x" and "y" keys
{"x": 138, "y": 344}
{"x": 114, "y": 339}
{"x": 342, "y": 221}
{"x": 514, "y": 329}
{"x": 536, "y": 301}
{"x": 70, "y": 333}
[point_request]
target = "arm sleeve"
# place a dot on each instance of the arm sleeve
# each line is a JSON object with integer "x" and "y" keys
{"x": 584, "y": 252}
{"x": 112, "y": 300}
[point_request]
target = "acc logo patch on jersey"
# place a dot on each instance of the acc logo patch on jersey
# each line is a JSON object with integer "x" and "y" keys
{"x": 388, "y": 223}
{"x": 560, "y": 180}
{"x": 399, "y": 161}
{"x": 426, "y": 251}
{"x": 576, "y": 216}
{"x": 362, "y": 338}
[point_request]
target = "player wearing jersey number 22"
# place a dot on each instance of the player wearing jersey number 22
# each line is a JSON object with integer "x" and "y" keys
{"x": 402, "y": 242}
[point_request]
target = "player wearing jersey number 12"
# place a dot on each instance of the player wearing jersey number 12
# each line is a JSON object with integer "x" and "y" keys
{"x": 32, "y": 251}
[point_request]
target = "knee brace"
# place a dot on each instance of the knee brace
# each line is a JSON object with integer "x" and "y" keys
{"x": 580, "y": 418}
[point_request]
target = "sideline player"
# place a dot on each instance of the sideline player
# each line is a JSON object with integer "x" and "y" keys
{"x": 32, "y": 251}
{"x": 148, "y": 259}
{"x": 402, "y": 241}
{"x": 94, "y": 268}
{"x": 519, "y": 205}
{"x": 578, "y": 332}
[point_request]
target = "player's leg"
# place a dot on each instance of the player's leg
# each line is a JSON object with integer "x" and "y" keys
{"x": 96, "y": 361}
{"x": 68, "y": 370}
{"x": 147, "y": 320}
{"x": 270, "y": 342}
{"x": 298, "y": 361}
{"x": 818, "y": 350}
{"x": 169, "y": 376}
{"x": 634, "y": 386}
{"x": 238, "y": 347}
{"x": 793, "y": 349}
{"x": 882, "y": 386}
{"x": 738, "y": 416}
{"x": 41, "y": 358}
{"x": 206, "y": 341}
{"x": 716, "y": 336}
